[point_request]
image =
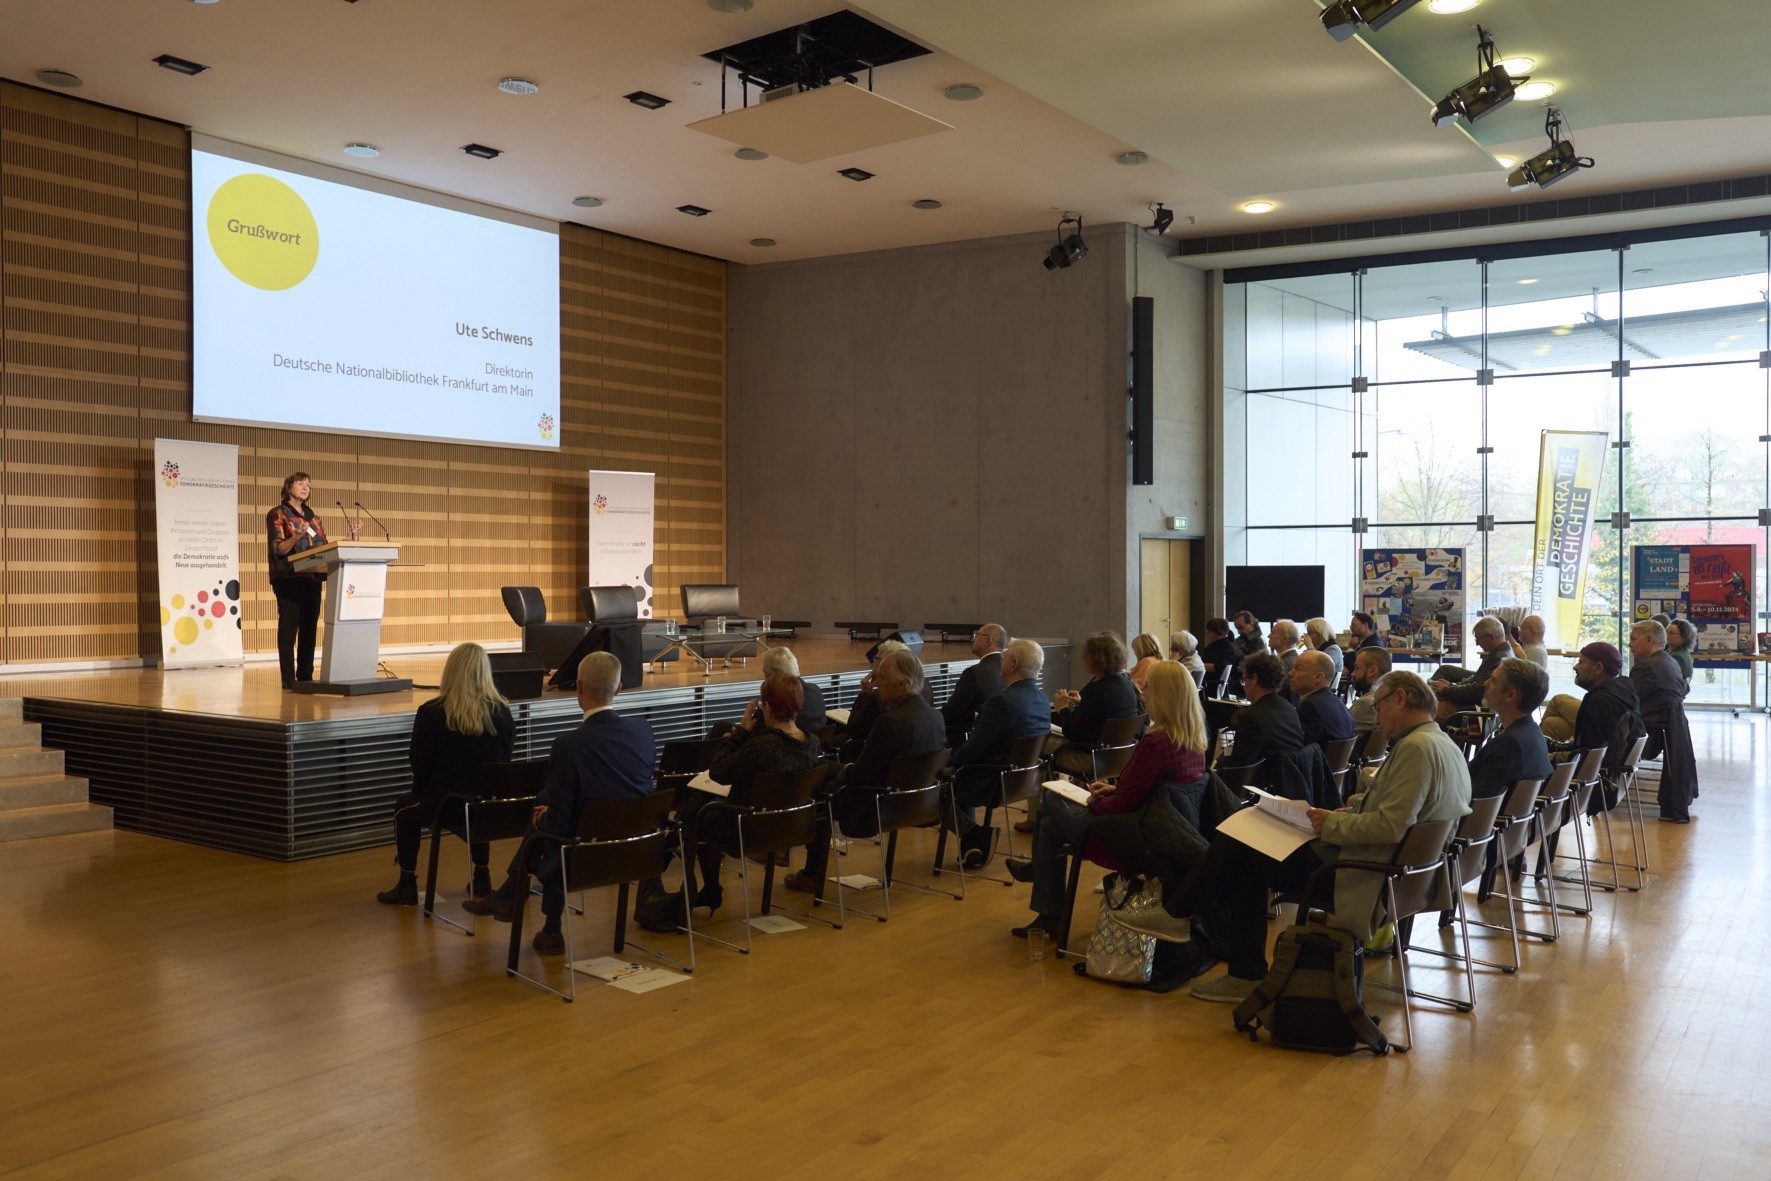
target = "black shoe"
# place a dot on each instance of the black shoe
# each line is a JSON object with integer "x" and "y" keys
{"x": 549, "y": 942}
{"x": 976, "y": 846}
{"x": 1019, "y": 869}
{"x": 1045, "y": 922}
{"x": 404, "y": 894}
{"x": 482, "y": 882}
{"x": 288, "y": 686}
{"x": 710, "y": 896}
{"x": 502, "y": 909}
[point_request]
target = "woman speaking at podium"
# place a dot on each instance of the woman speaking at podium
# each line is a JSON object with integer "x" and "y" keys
{"x": 293, "y": 528}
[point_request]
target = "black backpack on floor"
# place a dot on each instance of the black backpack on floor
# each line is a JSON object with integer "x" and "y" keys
{"x": 1311, "y": 998}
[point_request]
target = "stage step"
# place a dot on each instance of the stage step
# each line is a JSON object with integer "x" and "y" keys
{"x": 56, "y": 820}
{"x": 12, "y": 708}
{"x": 15, "y": 733}
{"x": 29, "y": 761}
{"x": 40, "y": 791}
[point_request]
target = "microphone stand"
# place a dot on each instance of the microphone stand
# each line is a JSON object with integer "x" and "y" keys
{"x": 386, "y": 536}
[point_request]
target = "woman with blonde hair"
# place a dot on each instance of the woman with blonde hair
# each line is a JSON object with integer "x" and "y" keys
{"x": 1172, "y": 750}
{"x": 464, "y": 727}
{"x": 1148, "y": 650}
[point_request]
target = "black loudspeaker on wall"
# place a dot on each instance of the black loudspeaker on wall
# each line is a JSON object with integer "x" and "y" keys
{"x": 1143, "y": 393}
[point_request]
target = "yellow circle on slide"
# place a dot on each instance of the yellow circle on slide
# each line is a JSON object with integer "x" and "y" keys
{"x": 185, "y": 630}
{"x": 263, "y": 232}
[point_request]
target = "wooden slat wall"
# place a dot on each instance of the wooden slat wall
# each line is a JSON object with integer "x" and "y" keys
{"x": 95, "y": 364}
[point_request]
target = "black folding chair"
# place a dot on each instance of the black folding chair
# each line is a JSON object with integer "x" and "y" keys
{"x": 1339, "y": 756}
{"x": 1547, "y": 818}
{"x": 780, "y": 816}
{"x": 680, "y": 761}
{"x": 911, "y": 798}
{"x": 1512, "y": 835}
{"x": 1464, "y": 861}
{"x": 618, "y": 843}
{"x": 499, "y": 810}
{"x": 1017, "y": 782}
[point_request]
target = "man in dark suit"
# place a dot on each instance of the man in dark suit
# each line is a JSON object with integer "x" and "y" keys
{"x": 1019, "y": 711}
{"x": 608, "y": 757}
{"x": 1661, "y": 686}
{"x": 1269, "y": 727}
{"x": 907, "y": 725}
{"x": 977, "y": 684}
{"x": 1321, "y": 714}
{"x": 1490, "y": 635}
{"x": 1517, "y": 750}
{"x": 867, "y": 706}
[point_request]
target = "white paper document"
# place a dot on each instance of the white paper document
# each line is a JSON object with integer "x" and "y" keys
{"x": 1292, "y": 812}
{"x": 704, "y": 782}
{"x": 839, "y": 716}
{"x": 628, "y": 976}
{"x": 1057, "y": 729}
{"x": 1074, "y": 792}
{"x": 774, "y": 924}
{"x": 1264, "y": 833}
{"x": 857, "y": 881}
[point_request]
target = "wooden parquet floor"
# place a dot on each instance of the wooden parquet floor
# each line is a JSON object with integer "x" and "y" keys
{"x": 168, "y": 1011}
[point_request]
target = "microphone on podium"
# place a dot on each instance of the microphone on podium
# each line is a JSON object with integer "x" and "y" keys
{"x": 384, "y": 531}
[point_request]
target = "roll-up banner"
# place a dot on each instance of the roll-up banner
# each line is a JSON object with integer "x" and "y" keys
{"x": 197, "y": 519}
{"x": 1569, "y": 467}
{"x": 621, "y": 511}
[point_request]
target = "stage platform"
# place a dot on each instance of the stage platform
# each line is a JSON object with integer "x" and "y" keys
{"x": 224, "y": 757}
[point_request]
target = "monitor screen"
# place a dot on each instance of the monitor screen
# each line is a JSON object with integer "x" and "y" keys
{"x": 1275, "y": 592}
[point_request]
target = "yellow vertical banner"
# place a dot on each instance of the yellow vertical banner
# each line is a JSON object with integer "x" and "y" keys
{"x": 1569, "y": 467}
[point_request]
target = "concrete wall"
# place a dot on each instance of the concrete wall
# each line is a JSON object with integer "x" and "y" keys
{"x": 939, "y": 433}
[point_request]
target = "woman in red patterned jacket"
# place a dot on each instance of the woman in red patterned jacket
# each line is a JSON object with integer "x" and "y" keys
{"x": 293, "y": 528}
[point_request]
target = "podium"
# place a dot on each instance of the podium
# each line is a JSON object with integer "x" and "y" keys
{"x": 356, "y": 590}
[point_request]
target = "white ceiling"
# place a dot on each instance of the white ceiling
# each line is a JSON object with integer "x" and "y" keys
{"x": 1232, "y": 99}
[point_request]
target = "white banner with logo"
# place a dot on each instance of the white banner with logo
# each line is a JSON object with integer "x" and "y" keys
{"x": 621, "y": 514}
{"x": 197, "y": 516}
{"x": 364, "y": 587}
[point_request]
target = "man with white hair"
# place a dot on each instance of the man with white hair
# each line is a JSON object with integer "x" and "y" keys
{"x": 781, "y": 662}
{"x": 1282, "y": 638}
{"x": 1019, "y": 711}
{"x": 977, "y": 684}
{"x": 1529, "y": 644}
{"x": 1490, "y": 635}
{"x": 608, "y": 757}
{"x": 865, "y": 711}
{"x": 1320, "y": 636}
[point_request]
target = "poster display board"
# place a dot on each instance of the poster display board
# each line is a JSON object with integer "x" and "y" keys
{"x": 197, "y": 527}
{"x": 1416, "y": 598}
{"x": 1569, "y": 467}
{"x": 621, "y": 519}
{"x": 1711, "y": 585}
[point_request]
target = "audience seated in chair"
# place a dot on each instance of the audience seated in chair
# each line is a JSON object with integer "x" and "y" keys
{"x": 867, "y": 705}
{"x": 1661, "y": 686}
{"x": 1528, "y": 644}
{"x": 608, "y": 757}
{"x": 1172, "y": 750}
{"x": 906, "y": 725}
{"x": 1146, "y": 650}
{"x": 1370, "y": 665}
{"x": 1363, "y": 629}
{"x": 977, "y": 684}
{"x": 769, "y": 739}
{"x": 1183, "y": 647}
{"x": 464, "y": 727}
{"x": 1109, "y": 693}
{"x": 1425, "y": 778}
{"x": 1019, "y": 711}
{"x": 1490, "y": 635}
{"x": 1610, "y": 713}
{"x": 1319, "y": 637}
{"x": 1219, "y": 653}
{"x": 1269, "y": 727}
{"x": 1681, "y": 640}
{"x": 1282, "y": 640}
{"x": 1321, "y": 714}
{"x": 1517, "y": 750}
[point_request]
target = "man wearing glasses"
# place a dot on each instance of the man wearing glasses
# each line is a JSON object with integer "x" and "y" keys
{"x": 976, "y": 685}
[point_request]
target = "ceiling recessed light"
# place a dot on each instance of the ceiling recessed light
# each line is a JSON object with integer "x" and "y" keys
{"x": 751, "y": 154}
{"x": 963, "y": 92}
{"x": 925, "y": 203}
{"x": 179, "y": 65}
{"x": 693, "y": 210}
{"x": 587, "y": 202}
{"x": 1505, "y": 161}
{"x": 1532, "y": 91}
{"x": 1258, "y": 207}
{"x": 762, "y": 241}
{"x": 362, "y": 151}
{"x": 61, "y": 78}
{"x": 856, "y": 174}
{"x": 518, "y": 86}
{"x": 1132, "y": 158}
{"x": 203, "y": 1}
{"x": 642, "y": 98}
{"x": 481, "y": 151}
{"x": 1526, "y": 282}
{"x": 1450, "y": 7}
{"x": 735, "y": 7}
{"x": 1515, "y": 66}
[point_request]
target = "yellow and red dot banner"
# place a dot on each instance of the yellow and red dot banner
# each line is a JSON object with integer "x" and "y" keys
{"x": 197, "y": 520}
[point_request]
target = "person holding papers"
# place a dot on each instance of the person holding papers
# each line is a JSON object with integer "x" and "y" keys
{"x": 1424, "y": 778}
{"x": 767, "y": 740}
{"x": 1172, "y": 750}
{"x": 293, "y": 528}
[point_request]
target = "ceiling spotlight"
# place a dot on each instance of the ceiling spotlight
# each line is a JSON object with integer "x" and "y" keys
{"x": 1450, "y": 7}
{"x": 735, "y": 7}
{"x": 362, "y": 151}
{"x": 1164, "y": 217}
{"x": 518, "y": 86}
{"x": 693, "y": 210}
{"x": 1258, "y": 207}
{"x": 651, "y": 102}
{"x": 751, "y": 154}
{"x": 762, "y": 241}
{"x": 1518, "y": 67}
{"x": 1533, "y": 91}
{"x": 482, "y": 152}
{"x": 856, "y": 174}
{"x": 1132, "y": 159}
{"x": 61, "y": 78}
{"x": 179, "y": 65}
{"x": 1343, "y": 18}
{"x": 1554, "y": 163}
{"x": 925, "y": 203}
{"x": 1487, "y": 92}
{"x": 963, "y": 92}
{"x": 1505, "y": 161}
{"x": 588, "y": 202}
{"x": 1069, "y": 251}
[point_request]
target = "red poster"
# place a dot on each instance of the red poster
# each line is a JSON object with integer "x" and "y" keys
{"x": 1721, "y": 584}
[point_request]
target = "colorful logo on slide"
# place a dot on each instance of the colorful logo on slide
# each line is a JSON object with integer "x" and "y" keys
{"x": 600, "y": 504}
{"x": 263, "y": 232}
{"x": 169, "y": 473}
{"x": 350, "y": 590}
{"x": 545, "y": 426}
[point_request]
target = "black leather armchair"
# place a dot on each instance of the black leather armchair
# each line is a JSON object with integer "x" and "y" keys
{"x": 548, "y": 642}
{"x": 704, "y": 601}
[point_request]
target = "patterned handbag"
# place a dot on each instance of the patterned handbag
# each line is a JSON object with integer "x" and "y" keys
{"x": 1116, "y": 952}
{"x": 1140, "y": 908}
